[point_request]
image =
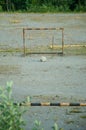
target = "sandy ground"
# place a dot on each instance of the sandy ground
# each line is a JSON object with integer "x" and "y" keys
{"x": 59, "y": 79}
{"x": 59, "y": 75}
{"x": 11, "y": 26}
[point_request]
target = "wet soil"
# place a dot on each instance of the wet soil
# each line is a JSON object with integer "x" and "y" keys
{"x": 59, "y": 79}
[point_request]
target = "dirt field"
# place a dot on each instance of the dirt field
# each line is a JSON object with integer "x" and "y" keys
{"x": 59, "y": 79}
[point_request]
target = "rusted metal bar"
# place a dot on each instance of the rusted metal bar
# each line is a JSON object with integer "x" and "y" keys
{"x": 24, "y": 41}
{"x": 43, "y": 28}
{"x": 52, "y": 41}
{"x": 62, "y": 40}
{"x": 60, "y": 53}
{"x": 51, "y": 104}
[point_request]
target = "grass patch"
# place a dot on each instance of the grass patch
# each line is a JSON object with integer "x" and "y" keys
{"x": 11, "y": 69}
{"x": 15, "y": 21}
{"x": 77, "y": 50}
{"x": 84, "y": 116}
{"x": 69, "y": 122}
{"x": 12, "y": 50}
{"x": 76, "y": 111}
{"x": 68, "y": 50}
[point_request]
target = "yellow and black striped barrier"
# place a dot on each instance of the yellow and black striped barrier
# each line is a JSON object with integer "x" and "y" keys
{"x": 50, "y": 104}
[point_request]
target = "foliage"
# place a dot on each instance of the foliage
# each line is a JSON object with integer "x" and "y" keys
{"x": 37, "y": 126}
{"x": 0, "y": 8}
{"x": 10, "y": 114}
{"x": 55, "y": 127}
{"x": 43, "y": 5}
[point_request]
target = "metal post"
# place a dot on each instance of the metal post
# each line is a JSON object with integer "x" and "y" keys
{"x": 52, "y": 42}
{"x": 24, "y": 41}
{"x": 62, "y": 40}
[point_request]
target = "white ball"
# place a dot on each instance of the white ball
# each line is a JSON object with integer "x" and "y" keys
{"x": 43, "y": 59}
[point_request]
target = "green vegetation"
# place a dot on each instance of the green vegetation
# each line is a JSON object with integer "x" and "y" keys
{"x": 83, "y": 116}
{"x": 68, "y": 50}
{"x": 37, "y": 125}
{"x": 75, "y": 50}
{"x": 43, "y": 5}
{"x": 10, "y": 114}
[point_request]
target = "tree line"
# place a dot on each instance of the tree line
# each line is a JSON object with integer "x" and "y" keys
{"x": 43, "y": 5}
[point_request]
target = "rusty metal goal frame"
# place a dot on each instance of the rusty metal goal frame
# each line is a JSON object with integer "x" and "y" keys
{"x": 24, "y": 44}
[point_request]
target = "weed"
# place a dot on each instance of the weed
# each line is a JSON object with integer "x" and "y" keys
{"x": 55, "y": 127}
{"x": 37, "y": 125}
{"x": 10, "y": 114}
{"x": 75, "y": 111}
{"x": 70, "y": 122}
{"x": 84, "y": 116}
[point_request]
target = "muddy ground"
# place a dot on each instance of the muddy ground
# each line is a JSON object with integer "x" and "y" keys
{"x": 59, "y": 79}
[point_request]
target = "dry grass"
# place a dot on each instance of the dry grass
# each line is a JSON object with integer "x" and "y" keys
{"x": 68, "y": 49}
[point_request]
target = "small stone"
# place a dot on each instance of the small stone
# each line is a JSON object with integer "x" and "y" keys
{"x": 43, "y": 59}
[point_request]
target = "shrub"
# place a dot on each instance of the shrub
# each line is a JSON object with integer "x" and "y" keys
{"x": 1, "y": 8}
{"x": 10, "y": 114}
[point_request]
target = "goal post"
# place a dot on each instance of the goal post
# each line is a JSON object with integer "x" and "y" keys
{"x": 49, "y": 29}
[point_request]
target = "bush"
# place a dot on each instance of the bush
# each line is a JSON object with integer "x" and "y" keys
{"x": 80, "y": 9}
{"x": 1, "y": 8}
{"x": 10, "y": 114}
